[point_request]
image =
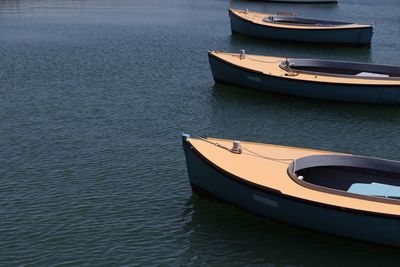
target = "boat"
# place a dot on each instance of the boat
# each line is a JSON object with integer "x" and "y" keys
{"x": 289, "y": 26}
{"x": 334, "y": 193}
{"x": 303, "y": 1}
{"x": 313, "y": 78}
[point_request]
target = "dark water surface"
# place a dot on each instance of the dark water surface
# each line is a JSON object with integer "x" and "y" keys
{"x": 93, "y": 98}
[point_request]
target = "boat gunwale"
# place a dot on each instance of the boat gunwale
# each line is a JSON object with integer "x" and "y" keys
{"x": 291, "y": 172}
{"x": 315, "y": 24}
{"x": 276, "y": 192}
{"x": 296, "y": 27}
{"x": 395, "y": 86}
{"x": 318, "y": 73}
{"x": 304, "y": 1}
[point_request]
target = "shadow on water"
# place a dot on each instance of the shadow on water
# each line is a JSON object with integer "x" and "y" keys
{"x": 251, "y": 115}
{"x": 240, "y": 236}
{"x": 273, "y": 5}
{"x": 286, "y": 49}
{"x": 236, "y": 97}
{"x": 9, "y": 4}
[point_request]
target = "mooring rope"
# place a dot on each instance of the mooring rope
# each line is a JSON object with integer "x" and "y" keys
{"x": 213, "y": 143}
{"x": 285, "y": 65}
{"x": 280, "y": 160}
{"x": 264, "y": 61}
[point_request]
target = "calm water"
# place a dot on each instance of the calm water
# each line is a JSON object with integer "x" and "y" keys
{"x": 94, "y": 96}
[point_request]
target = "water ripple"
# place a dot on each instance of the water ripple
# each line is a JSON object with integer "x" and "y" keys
{"x": 94, "y": 95}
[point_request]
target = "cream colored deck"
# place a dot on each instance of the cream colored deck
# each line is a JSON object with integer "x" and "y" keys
{"x": 257, "y": 17}
{"x": 273, "y": 174}
{"x": 270, "y": 66}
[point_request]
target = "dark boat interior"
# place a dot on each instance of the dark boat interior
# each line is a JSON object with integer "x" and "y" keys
{"x": 303, "y": 21}
{"x": 337, "y": 68}
{"x": 358, "y": 175}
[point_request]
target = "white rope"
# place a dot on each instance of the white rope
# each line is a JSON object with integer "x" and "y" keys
{"x": 265, "y": 61}
{"x": 214, "y": 143}
{"x": 286, "y": 67}
{"x": 280, "y": 160}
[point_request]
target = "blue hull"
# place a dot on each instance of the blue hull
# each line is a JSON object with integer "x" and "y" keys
{"x": 304, "y": 1}
{"x": 356, "y": 36}
{"x": 226, "y": 73}
{"x": 205, "y": 177}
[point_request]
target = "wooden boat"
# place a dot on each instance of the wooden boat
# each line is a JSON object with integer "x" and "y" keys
{"x": 288, "y": 26}
{"x": 323, "y": 79}
{"x": 340, "y": 194}
{"x": 303, "y": 1}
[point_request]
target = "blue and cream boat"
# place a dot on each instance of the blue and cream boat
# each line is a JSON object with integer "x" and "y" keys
{"x": 323, "y": 79}
{"x": 288, "y": 26}
{"x": 303, "y": 1}
{"x": 340, "y": 194}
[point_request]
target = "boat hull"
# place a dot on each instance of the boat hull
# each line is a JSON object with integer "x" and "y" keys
{"x": 304, "y": 1}
{"x": 207, "y": 178}
{"x": 346, "y": 36}
{"x": 227, "y": 73}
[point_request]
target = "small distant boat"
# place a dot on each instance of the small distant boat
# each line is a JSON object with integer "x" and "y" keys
{"x": 303, "y": 1}
{"x": 323, "y": 79}
{"x": 288, "y": 26}
{"x": 342, "y": 194}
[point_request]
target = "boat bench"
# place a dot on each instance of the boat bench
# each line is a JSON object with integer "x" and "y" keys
{"x": 372, "y": 74}
{"x": 375, "y": 189}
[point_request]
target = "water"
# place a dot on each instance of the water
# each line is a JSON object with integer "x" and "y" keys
{"x": 94, "y": 96}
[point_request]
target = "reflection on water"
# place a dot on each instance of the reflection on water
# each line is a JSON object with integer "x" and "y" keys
{"x": 272, "y": 7}
{"x": 286, "y": 49}
{"x": 9, "y": 4}
{"x": 226, "y": 96}
{"x": 94, "y": 96}
{"x": 220, "y": 230}
{"x": 288, "y": 120}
